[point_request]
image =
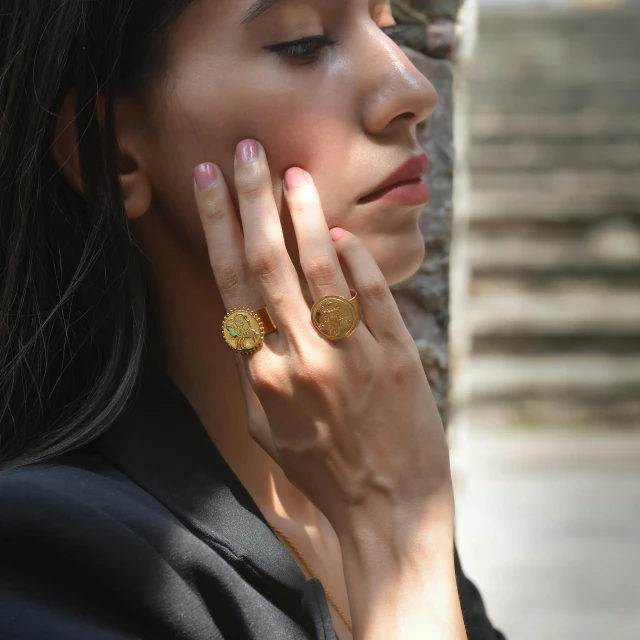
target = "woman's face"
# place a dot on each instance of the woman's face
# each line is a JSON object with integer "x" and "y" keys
{"x": 346, "y": 111}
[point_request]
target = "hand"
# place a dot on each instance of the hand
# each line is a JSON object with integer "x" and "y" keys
{"x": 352, "y": 423}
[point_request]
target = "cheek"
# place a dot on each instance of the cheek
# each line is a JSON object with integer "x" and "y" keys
{"x": 296, "y": 128}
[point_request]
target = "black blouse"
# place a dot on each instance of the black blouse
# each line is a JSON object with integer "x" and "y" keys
{"x": 147, "y": 533}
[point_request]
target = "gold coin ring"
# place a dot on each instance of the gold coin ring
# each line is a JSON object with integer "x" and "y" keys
{"x": 335, "y": 317}
{"x": 244, "y": 329}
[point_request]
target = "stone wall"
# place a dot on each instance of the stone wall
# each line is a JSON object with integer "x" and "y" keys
{"x": 427, "y": 33}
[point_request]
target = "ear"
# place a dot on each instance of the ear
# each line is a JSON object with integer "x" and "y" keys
{"x": 136, "y": 187}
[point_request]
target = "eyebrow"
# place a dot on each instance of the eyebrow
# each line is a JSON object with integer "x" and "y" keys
{"x": 259, "y": 8}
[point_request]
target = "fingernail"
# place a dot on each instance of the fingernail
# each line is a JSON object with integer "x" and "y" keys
{"x": 247, "y": 151}
{"x": 295, "y": 177}
{"x": 337, "y": 233}
{"x": 205, "y": 175}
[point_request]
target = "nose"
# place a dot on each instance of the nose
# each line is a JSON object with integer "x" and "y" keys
{"x": 398, "y": 95}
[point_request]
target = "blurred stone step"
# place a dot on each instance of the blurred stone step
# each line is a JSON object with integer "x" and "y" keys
{"x": 607, "y": 43}
{"x": 532, "y": 155}
{"x": 545, "y": 67}
{"x": 619, "y": 188}
{"x": 553, "y": 197}
{"x": 553, "y": 278}
{"x": 561, "y": 343}
{"x": 559, "y": 20}
{"x": 589, "y": 126}
{"x": 507, "y": 98}
{"x": 587, "y": 120}
{"x": 560, "y": 17}
{"x": 570, "y": 311}
{"x": 610, "y": 249}
{"x": 551, "y": 411}
{"x": 552, "y": 450}
{"x": 586, "y": 375}
{"x": 506, "y": 284}
{"x": 554, "y": 53}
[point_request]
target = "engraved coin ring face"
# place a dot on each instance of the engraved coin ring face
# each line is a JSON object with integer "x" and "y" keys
{"x": 335, "y": 317}
{"x": 243, "y": 331}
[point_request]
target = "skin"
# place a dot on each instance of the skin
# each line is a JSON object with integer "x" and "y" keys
{"x": 349, "y": 120}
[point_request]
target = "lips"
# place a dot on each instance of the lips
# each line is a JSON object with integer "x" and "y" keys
{"x": 410, "y": 173}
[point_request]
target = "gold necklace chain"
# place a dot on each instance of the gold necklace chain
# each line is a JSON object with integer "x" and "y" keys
{"x": 330, "y": 598}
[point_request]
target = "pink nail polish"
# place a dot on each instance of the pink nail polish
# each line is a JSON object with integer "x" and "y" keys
{"x": 247, "y": 151}
{"x": 295, "y": 177}
{"x": 205, "y": 176}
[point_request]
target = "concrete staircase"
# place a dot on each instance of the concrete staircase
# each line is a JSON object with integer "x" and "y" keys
{"x": 552, "y": 311}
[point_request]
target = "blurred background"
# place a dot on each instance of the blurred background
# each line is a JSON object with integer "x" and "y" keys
{"x": 545, "y": 338}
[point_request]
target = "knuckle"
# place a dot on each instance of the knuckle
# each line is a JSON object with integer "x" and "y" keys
{"x": 253, "y": 191}
{"x": 265, "y": 383}
{"x": 296, "y": 207}
{"x": 312, "y": 371}
{"x": 253, "y": 374}
{"x": 321, "y": 270}
{"x": 265, "y": 262}
{"x": 229, "y": 277}
{"x": 213, "y": 209}
{"x": 250, "y": 184}
{"x": 376, "y": 290}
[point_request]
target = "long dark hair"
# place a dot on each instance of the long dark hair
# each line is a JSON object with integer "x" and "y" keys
{"x": 73, "y": 321}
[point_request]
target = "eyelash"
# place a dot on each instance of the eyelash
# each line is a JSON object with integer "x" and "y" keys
{"x": 309, "y": 50}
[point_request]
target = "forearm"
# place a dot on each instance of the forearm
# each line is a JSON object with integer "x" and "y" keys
{"x": 403, "y": 590}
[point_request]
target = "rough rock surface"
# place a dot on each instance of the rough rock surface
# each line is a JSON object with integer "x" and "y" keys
{"x": 424, "y": 299}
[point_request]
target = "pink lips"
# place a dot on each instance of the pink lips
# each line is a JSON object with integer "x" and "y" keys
{"x": 404, "y": 186}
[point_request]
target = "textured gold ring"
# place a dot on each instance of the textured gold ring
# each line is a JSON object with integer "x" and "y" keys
{"x": 335, "y": 317}
{"x": 244, "y": 330}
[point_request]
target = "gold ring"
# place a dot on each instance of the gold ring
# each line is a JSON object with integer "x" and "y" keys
{"x": 335, "y": 317}
{"x": 244, "y": 330}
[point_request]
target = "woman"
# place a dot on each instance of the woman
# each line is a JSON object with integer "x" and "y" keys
{"x": 162, "y": 480}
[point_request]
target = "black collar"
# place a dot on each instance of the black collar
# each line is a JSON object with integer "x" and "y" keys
{"x": 161, "y": 444}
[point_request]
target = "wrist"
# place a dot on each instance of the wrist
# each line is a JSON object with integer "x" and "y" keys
{"x": 379, "y": 541}
{"x": 403, "y": 582}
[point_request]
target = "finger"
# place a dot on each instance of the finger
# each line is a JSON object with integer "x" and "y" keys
{"x": 381, "y": 313}
{"x": 225, "y": 241}
{"x": 265, "y": 248}
{"x": 318, "y": 257}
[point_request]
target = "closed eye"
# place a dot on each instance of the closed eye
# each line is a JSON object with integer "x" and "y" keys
{"x": 310, "y": 49}
{"x": 306, "y": 50}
